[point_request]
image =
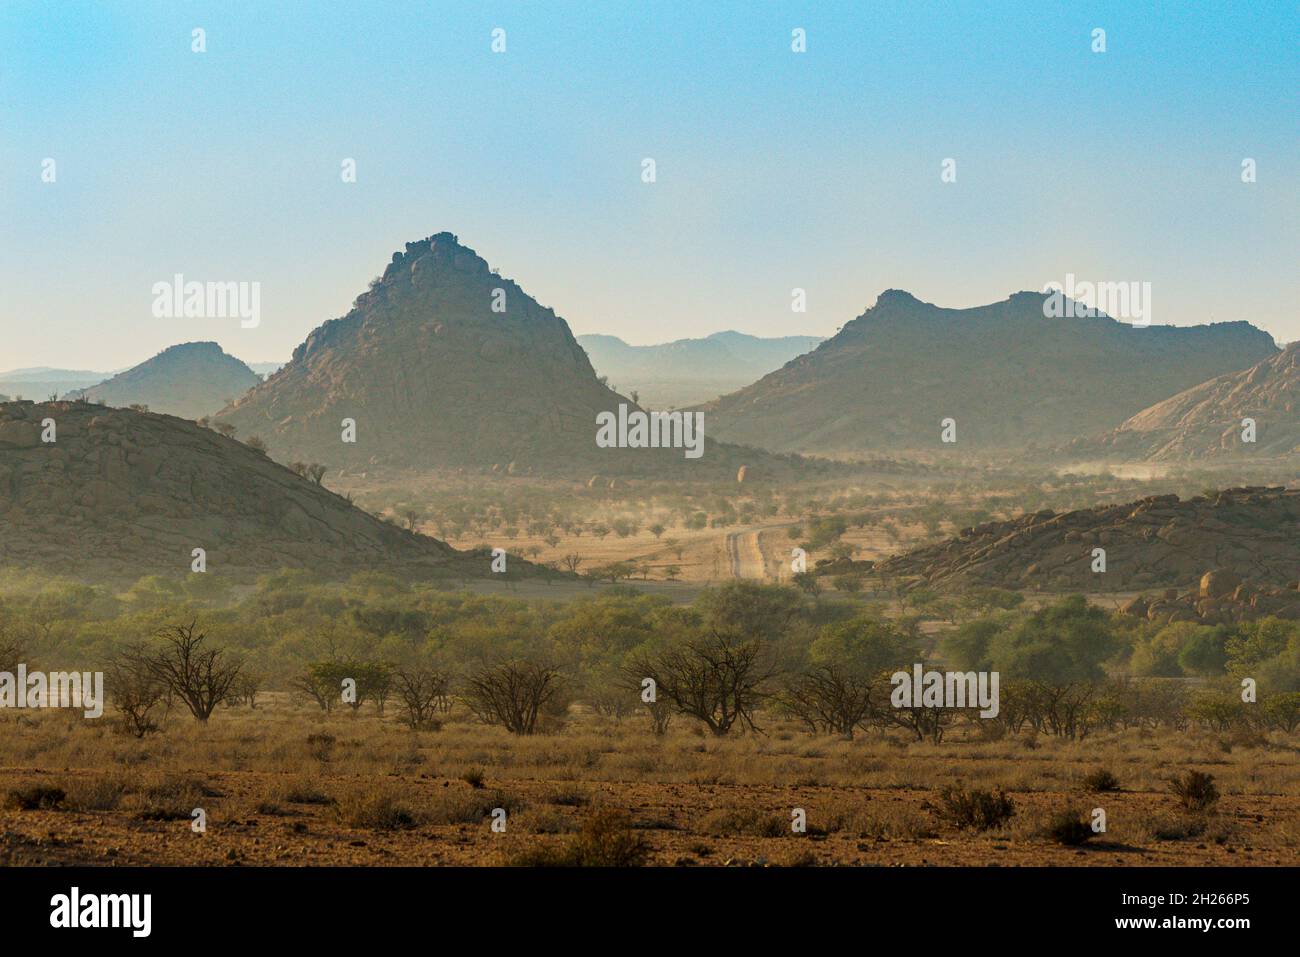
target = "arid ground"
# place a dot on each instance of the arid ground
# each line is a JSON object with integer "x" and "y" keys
{"x": 282, "y": 784}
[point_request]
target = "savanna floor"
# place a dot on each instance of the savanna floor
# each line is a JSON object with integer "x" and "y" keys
{"x": 283, "y": 784}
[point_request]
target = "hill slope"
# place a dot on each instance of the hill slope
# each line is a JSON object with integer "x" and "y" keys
{"x": 1205, "y": 421}
{"x": 688, "y": 371}
{"x": 190, "y": 380}
{"x": 1009, "y": 377}
{"x": 121, "y": 494}
{"x": 1155, "y": 542}
{"x": 435, "y": 377}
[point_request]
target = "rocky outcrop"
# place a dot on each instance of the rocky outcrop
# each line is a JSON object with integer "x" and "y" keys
{"x": 1222, "y": 598}
{"x": 120, "y": 493}
{"x": 1208, "y": 422}
{"x": 1008, "y": 376}
{"x": 1157, "y": 542}
{"x": 190, "y": 380}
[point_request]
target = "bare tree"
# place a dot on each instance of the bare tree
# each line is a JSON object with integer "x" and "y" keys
{"x": 135, "y": 690}
{"x": 717, "y": 679}
{"x": 512, "y": 694}
{"x": 422, "y": 692}
{"x": 829, "y": 698}
{"x": 201, "y": 677}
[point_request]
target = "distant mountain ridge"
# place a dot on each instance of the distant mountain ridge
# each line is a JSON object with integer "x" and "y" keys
{"x": 1010, "y": 377}
{"x": 190, "y": 380}
{"x": 687, "y": 371}
{"x": 40, "y": 382}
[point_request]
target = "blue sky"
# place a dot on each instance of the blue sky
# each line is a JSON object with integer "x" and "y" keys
{"x": 775, "y": 170}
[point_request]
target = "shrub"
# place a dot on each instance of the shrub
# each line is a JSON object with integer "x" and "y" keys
{"x": 37, "y": 797}
{"x": 606, "y": 840}
{"x": 1066, "y": 827}
{"x": 100, "y": 793}
{"x": 304, "y": 791}
{"x": 171, "y": 798}
{"x": 373, "y": 809}
{"x": 470, "y": 807}
{"x": 474, "y": 777}
{"x": 1100, "y": 780}
{"x": 973, "y": 809}
{"x": 744, "y": 822}
{"x": 1195, "y": 790}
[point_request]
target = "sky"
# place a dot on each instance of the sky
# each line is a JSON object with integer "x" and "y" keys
{"x": 774, "y": 170}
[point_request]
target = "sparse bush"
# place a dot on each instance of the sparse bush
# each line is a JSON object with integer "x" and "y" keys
{"x": 1066, "y": 827}
{"x": 974, "y": 809}
{"x": 379, "y": 810}
{"x": 745, "y": 822}
{"x": 35, "y": 797}
{"x": 98, "y": 793}
{"x": 1195, "y": 790}
{"x": 1100, "y": 779}
{"x": 171, "y": 797}
{"x": 606, "y": 840}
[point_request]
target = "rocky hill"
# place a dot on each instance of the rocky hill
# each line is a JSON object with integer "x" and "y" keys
{"x": 1157, "y": 542}
{"x": 1204, "y": 423}
{"x": 190, "y": 380}
{"x": 121, "y": 493}
{"x": 690, "y": 371}
{"x": 1008, "y": 376}
{"x": 443, "y": 363}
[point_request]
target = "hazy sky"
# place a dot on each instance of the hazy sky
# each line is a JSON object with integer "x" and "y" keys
{"x": 775, "y": 170}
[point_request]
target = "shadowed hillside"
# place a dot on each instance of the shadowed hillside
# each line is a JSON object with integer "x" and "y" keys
{"x": 1007, "y": 375}
{"x": 121, "y": 493}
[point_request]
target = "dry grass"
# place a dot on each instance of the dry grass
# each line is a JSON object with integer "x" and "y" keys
{"x": 377, "y": 793}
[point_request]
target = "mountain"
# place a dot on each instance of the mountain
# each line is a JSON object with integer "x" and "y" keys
{"x": 41, "y": 382}
{"x": 1205, "y": 421}
{"x": 1253, "y": 533}
{"x": 121, "y": 494}
{"x": 191, "y": 380}
{"x": 442, "y": 363}
{"x": 1008, "y": 376}
{"x": 688, "y": 371}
